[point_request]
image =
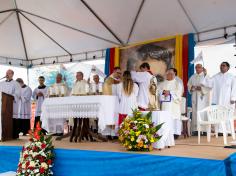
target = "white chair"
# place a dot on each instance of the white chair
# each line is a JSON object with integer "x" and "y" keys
{"x": 185, "y": 118}
{"x": 215, "y": 115}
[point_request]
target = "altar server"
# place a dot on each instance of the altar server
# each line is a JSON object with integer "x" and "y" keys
{"x": 127, "y": 92}
{"x": 39, "y": 94}
{"x": 200, "y": 94}
{"x": 11, "y": 87}
{"x": 24, "y": 113}
{"x": 146, "y": 98}
{"x": 170, "y": 97}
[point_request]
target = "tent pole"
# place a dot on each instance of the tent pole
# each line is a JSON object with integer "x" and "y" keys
{"x": 101, "y": 21}
{"x": 70, "y": 27}
{"x": 135, "y": 20}
{"x": 45, "y": 33}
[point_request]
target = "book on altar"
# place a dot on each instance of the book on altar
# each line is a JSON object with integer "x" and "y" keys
{"x": 164, "y": 98}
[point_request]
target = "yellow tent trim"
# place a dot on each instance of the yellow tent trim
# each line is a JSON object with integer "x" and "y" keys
{"x": 178, "y": 55}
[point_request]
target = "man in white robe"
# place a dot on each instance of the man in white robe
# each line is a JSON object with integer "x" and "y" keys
{"x": 143, "y": 79}
{"x": 200, "y": 94}
{"x": 80, "y": 86}
{"x": 96, "y": 86}
{"x": 39, "y": 94}
{"x": 178, "y": 78}
{"x": 223, "y": 87}
{"x": 11, "y": 87}
{"x": 58, "y": 89}
{"x": 24, "y": 113}
{"x": 170, "y": 92}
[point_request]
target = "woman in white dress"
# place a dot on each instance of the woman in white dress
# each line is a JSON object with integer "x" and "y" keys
{"x": 127, "y": 92}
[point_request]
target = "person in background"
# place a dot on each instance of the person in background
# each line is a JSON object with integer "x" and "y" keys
{"x": 170, "y": 92}
{"x": 200, "y": 94}
{"x": 178, "y": 78}
{"x": 223, "y": 86}
{"x": 58, "y": 89}
{"x": 96, "y": 86}
{"x": 39, "y": 94}
{"x": 127, "y": 92}
{"x": 114, "y": 78}
{"x": 22, "y": 121}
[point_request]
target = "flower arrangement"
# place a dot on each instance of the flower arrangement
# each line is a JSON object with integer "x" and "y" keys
{"x": 37, "y": 155}
{"x": 137, "y": 132}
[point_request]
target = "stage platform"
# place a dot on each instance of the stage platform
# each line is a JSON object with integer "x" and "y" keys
{"x": 110, "y": 158}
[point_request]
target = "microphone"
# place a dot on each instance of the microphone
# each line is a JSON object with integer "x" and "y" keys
{"x": 3, "y": 77}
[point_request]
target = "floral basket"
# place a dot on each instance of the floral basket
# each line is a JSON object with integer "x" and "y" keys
{"x": 138, "y": 133}
{"x": 37, "y": 155}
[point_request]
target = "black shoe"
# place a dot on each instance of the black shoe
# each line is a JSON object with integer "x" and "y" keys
{"x": 194, "y": 133}
{"x": 176, "y": 136}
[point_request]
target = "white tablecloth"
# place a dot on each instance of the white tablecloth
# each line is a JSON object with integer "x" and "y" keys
{"x": 97, "y": 106}
{"x": 166, "y": 130}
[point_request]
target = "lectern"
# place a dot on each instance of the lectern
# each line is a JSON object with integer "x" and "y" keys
{"x": 6, "y": 121}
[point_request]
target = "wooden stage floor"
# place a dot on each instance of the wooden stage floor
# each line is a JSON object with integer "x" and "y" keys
{"x": 184, "y": 147}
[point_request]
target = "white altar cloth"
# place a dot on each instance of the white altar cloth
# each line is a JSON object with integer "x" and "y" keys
{"x": 97, "y": 106}
{"x": 167, "y": 129}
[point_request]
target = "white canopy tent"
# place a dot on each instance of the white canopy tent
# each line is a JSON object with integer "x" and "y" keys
{"x": 36, "y": 32}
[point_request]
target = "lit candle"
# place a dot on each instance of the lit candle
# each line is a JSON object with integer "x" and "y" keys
{"x": 56, "y": 90}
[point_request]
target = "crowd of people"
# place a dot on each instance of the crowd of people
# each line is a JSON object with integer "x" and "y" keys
{"x": 134, "y": 89}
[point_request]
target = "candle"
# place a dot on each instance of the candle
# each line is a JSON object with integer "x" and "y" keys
{"x": 100, "y": 88}
{"x": 62, "y": 91}
{"x": 93, "y": 88}
{"x": 56, "y": 90}
{"x": 86, "y": 88}
{"x": 51, "y": 91}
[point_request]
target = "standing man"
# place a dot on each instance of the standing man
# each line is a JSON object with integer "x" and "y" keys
{"x": 96, "y": 86}
{"x": 200, "y": 94}
{"x": 39, "y": 94}
{"x": 80, "y": 86}
{"x": 13, "y": 88}
{"x": 147, "y": 95}
{"x": 223, "y": 87}
{"x": 23, "y": 119}
{"x": 170, "y": 97}
{"x": 114, "y": 78}
{"x": 58, "y": 89}
{"x": 178, "y": 78}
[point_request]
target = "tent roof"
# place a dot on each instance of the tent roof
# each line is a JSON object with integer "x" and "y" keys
{"x": 32, "y": 30}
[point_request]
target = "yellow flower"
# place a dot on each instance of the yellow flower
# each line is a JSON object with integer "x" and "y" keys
{"x": 152, "y": 139}
{"x": 145, "y": 146}
{"x": 137, "y": 133}
{"x": 132, "y": 138}
{"x": 140, "y": 144}
{"x": 130, "y": 147}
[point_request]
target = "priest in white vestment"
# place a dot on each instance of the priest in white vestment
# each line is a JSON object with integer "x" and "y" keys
{"x": 80, "y": 86}
{"x": 143, "y": 79}
{"x": 96, "y": 86}
{"x": 178, "y": 78}
{"x": 200, "y": 94}
{"x": 11, "y": 87}
{"x": 58, "y": 89}
{"x": 39, "y": 94}
{"x": 223, "y": 86}
{"x": 114, "y": 78}
{"x": 127, "y": 92}
{"x": 170, "y": 93}
{"x": 24, "y": 113}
